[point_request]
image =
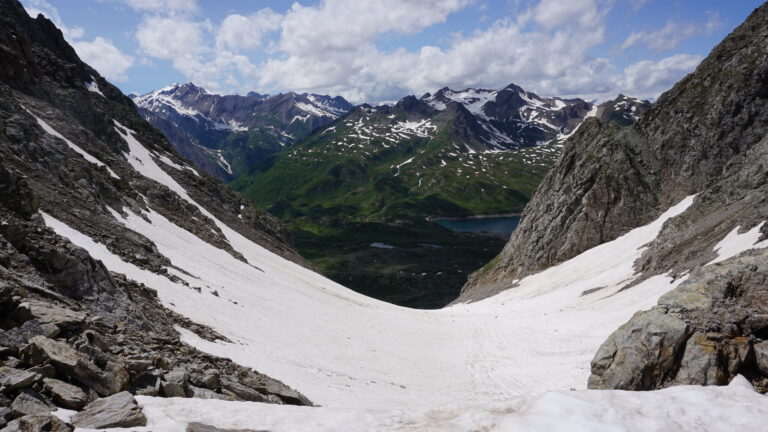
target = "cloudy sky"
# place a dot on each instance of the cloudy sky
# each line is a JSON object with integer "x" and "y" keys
{"x": 381, "y": 50}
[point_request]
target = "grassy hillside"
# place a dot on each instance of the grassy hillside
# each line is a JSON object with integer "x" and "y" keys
{"x": 338, "y": 175}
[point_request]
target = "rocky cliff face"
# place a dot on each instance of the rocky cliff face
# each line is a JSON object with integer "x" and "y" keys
{"x": 73, "y": 148}
{"x": 611, "y": 179}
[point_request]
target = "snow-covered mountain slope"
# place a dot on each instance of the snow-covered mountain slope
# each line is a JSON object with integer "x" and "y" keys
{"x": 225, "y": 134}
{"x": 394, "y": 367}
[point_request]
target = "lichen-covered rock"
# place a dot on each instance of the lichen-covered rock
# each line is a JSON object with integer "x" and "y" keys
{"x": 641, "y": 354}
{"x": 29, "y": 402}
{"x": 12, "y": 379}
{"x": 707, "y": 315}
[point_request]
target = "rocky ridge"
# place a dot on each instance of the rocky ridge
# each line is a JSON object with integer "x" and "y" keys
{"x": 73, "y": 334}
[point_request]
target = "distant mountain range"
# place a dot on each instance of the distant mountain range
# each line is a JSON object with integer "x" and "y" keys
{"x": 225, "y": 135}
{"x": 453, "y": 153}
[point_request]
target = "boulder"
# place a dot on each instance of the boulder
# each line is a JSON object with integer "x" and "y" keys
{"x": 48, "y": 313}
{"x": 641, "y": 354}
{"x": 204, "y": 393}
{"x": 6, "y": 414}
{"x": 147, "y": 385}
{"x": 114, "y": 379}
{"x": 37, "y": 423}
{"x": 45, "y": 370}
{"x": 761, "y": 356}
{"x": 65, "y": 395}
{"x": 276, "y": 388}
{"x": 75, "y": 365}
{"x": 13, "y": 379}
{"x": 209, "y": 379}
{"x": 29, "y": 402}
{"x": 119, "y": 410}
{"x": 241, "y": 392}
{"x": 176, "y": 383}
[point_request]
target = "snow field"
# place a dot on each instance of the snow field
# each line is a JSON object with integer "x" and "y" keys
{"x": 504, "y": 363}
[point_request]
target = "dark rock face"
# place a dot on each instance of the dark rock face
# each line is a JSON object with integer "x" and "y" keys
{"x": 71, "y": 332}
{"x": 612, "y": 179}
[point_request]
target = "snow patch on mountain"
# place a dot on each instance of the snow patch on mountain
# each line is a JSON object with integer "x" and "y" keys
{"x": 87, "y": 156}
{"x": 93, "y": 87}
{"x": 734, "y": 243}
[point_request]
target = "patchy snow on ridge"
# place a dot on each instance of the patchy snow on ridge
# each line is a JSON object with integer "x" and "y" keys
{"x": 472, "y": 99}
{"x": 93, "y": 87}
{"x": 419, "y": 128}
{"x": 319, "y": 110}
{"x": 159, "y": 99}
{"x": 87, "y": 156}
{"x": 734, "y": 243}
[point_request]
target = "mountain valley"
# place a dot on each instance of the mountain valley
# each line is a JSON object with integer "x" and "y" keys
{"x": 189, "y": 262}
{"x": 383, "y": 170}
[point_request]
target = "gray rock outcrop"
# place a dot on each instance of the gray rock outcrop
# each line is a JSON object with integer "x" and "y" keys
{"x": 118, "y": 410}
{"x": 38, "y": 423}
{"x": 706, "y": 331}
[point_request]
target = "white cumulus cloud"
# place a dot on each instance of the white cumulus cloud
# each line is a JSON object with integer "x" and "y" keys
{"x": 164, "y": 6}
{"x": 333, "y": 47}
{"x": 105, "y": 57}
{"x": 651, "y": 78}
{"x": 672, "y": 34}
{"x": 239, "y": 32}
